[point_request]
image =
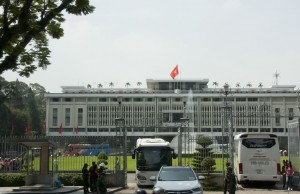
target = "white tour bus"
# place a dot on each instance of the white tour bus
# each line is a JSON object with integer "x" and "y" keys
{"x": 150, "y": 155}
{"x": 257, "y": 158}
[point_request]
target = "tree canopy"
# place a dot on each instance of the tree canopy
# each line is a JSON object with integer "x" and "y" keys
{"x": 21, "y": 106}
{"x": 25, "y": 28}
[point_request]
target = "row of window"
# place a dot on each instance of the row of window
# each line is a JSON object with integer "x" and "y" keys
{"x": 104, "y": 116}
{"x": 162, "y": 130}
{"x": 160, "y": 99}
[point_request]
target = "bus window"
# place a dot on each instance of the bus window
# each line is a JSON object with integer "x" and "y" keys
{"x": 258, "y": 142}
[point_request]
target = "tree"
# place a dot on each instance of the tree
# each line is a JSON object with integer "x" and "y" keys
{"x": 238, "y": 85}
{"x": 89, "y": 86}
{"x": 127, "y": 84}
{"x": 102, "y": 158}
{"x": 100, "y": 85}
{"x": 201, "y": 152}
{"x": 139, "y": 84}
{"x": 215, "y": 84}
{"x": 249, "y": 85}
{"x": 25, "y": 28}
{"x": 260, "y": 85}
{"x": 111, "y": 84}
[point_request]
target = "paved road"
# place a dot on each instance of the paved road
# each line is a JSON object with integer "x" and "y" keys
{"x": 255, "y": 189}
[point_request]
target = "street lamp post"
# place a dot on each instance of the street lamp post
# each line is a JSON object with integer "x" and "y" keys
{"x": 120, "y": 123}
{"x": 183, "y": 124}
{"x": 228, "y": 124}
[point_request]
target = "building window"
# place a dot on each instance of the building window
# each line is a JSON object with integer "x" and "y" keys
{"x": 67, "y": 116}
{"x": 291, "y": 113}
{"x": 55, "y": 99}
{"x": 252, "y": 99}
{"x": 177, "y": 99}
{"x": 54, "y": 116}
{"x": 68, "y": 99}
{"x": 177, "y": 117}
{"x": 206, "y": 99}
{"x": 280, "y": 130}
{"x": 241, "y": 99}
{"x": 80, "y": 116}
{"x": 253, "y": 130}
{"x": 265, "y": 130}
{"x": 102, "y": 99}
{"x": 127, "y": 99}
{"x": 166, "y": 117}
{"x": 79, "y": 99}
{"x": 138, "y": 100}
{"x": 277, "y": 116}
{"x": 163, "y": 86}
{"x": 163, "y": 99}
{"x": 206, "y": 130}
{"x": 241, "y": 130}
{"x": 217, "y": 130}
{"x": 150, "y": 100}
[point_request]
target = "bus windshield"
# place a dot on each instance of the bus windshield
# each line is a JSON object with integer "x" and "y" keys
{"x": 258, "y": 142}
{"x": 152, "y": 158}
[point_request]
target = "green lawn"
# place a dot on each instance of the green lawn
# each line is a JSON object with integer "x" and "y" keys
{"x": 76, "y": 163}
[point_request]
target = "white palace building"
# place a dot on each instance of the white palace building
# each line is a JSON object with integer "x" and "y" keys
{"x": 157, "y": 111}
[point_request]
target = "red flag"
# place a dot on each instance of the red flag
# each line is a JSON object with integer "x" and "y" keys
{"x": 27, "y": 131}
{"x": 174, "y": 72}
{"x": 77, "y": 130}
{"x": 60, "y": 129}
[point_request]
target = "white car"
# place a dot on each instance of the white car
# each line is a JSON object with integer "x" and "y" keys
{"x": 177, "y": 180}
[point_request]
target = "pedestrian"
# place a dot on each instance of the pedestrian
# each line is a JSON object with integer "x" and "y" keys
{"x": 85, "y": 177}
{"x": 231, "y": 181}
{"x": 283, "y": 173}
{"x": 225, "y": 182}
{"x": 93, "y": 177}
{"x": 101, "y": 186}
{"x": 289, "y": 174}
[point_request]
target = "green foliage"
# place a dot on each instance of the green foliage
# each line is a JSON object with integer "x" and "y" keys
{"x": 102, "y": 158}
{"x": 21, "y": 106}
{"x": 26, "y": 27}
{"x": 201, "y": 152}
{"x": 12, "y": 180}
{"x": 208, "y": 163}
{"x": 73, "y": 179}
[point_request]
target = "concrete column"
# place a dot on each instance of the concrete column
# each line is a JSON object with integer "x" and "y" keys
{"x": 44, "y": 162}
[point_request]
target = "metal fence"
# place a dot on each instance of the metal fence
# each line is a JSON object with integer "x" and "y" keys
{"x": 69, "y": 154}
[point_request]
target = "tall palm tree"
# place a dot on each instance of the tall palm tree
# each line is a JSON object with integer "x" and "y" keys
{"x": 238, "y": 85}
{"x": 127, "y": 84}
{"x": 215, "y": 84}
{"x": 89, "y": 86}
{"x": 111, "y": 84}
{"x": 260, "y": 85}
{"x": 100, "y": 85}
{"x": 139, "y": 84}
{"x": 249, "y": 85}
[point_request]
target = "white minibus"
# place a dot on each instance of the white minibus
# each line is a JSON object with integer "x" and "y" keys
{"x": 257, "y": 158}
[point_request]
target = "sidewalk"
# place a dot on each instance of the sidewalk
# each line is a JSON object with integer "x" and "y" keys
{"x": 65, "y": 189}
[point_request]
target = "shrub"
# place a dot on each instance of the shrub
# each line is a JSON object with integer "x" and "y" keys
{"x": 12, "y": 180}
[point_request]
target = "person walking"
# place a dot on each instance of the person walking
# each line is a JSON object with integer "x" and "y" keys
{"x": 225, "y": 182}
{"x": 93, "y": 177}
{"x": 230, "y": 180}
{"x": 85, "y": 177}
{"x": 289, "y": 174}
{"x": 283, "y": 173}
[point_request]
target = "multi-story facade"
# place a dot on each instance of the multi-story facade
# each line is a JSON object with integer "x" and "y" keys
{"x": 157, "y": 110}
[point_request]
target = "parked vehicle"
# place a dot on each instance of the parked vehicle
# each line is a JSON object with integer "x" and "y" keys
{"x": 177, "y": 179}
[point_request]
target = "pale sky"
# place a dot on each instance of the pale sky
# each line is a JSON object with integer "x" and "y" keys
{"x": 134, "y": 40}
